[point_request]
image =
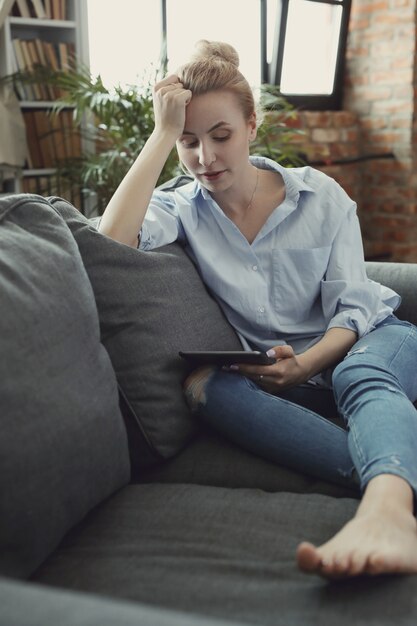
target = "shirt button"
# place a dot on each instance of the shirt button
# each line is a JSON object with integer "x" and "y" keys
{"x": 261, "y": 309}
{"x": 255, "y": 268}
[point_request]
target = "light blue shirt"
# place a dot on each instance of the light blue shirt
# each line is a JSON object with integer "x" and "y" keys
{"x": 303, "y": 274}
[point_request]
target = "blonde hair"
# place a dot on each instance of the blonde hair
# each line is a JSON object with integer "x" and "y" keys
{"x": 215, "y": 66}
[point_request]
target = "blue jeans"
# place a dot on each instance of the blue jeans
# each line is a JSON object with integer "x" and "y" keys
{"x": 374, "y": 388}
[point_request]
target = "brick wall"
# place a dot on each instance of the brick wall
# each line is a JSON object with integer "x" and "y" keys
{"x": 378, "y": 119}
{"x": 380, "y": 89}
{"x": 331, "y": 137}
{"x": 332, "y": 142}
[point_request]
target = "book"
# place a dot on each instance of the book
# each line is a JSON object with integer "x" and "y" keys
{"x": 22, "y": 54}
{"x": 49, "y": 90}
{"x": 76, "y": 144}
{"x": 38, "y": 9}
{"x": 27, "y": 55}
{"x": 57, "y": 135}
{"x": 56, "y": 9}
{"x": 63, "y": 9}
{"x": 64, "y": 61}
{"x": 34, "y": 157}
{"x": 39, "y": 88}
{"x": 50, "y": 55}
{"x": 23, "y": 8}
{"x": 67, "y": 129}
{"x": 22, "y": 90}
{"x": 52, "y": 186}
{"x": 48, "y": 9}
{"x": 52, "y": 138}
{"x": 30, "y": 184}
{"x": 45, "y": 138}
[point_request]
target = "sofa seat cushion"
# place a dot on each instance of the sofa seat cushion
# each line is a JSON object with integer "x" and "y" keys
{"x": 226, "y": 553}
{"x": 212, "y": 460}
{"x": 150, "y": 305}
{"x": 63, "y": 445}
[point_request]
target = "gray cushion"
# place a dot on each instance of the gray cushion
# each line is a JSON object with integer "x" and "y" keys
{"x": 151, "y": 305}
{"x": 402, "y": 278}
{"x": 224, "y": 553}
{"x": 63, "y": 444}
{"x": 211, "y": 460}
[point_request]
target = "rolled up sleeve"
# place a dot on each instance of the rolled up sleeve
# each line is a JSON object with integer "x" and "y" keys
{"x": 349, "y": 299}
{"x": 162, "y": 224}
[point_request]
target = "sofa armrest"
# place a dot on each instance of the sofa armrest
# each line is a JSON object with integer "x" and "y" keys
{"x": 402, "y": 278}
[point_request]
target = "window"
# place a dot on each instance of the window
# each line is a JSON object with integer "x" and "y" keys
{"x": 124, "y": 39}
{"x": 126, "y": 44}
{"x": 307, "y": 60}
{"x": 233, "y": 21}
{"x": 296, "y": 44}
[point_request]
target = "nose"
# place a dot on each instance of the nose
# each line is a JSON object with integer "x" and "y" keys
{"x": 206, "y": 154}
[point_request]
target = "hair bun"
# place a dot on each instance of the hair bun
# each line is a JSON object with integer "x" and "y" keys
{"x": 224, "y": 51}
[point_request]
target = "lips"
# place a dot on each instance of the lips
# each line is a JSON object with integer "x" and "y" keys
{"x": 211, "y": 176}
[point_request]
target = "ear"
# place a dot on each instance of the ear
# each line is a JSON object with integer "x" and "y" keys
{"x": 252, "y": 125}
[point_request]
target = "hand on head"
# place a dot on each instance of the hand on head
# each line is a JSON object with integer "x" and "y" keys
{"x": 170, "y": 100}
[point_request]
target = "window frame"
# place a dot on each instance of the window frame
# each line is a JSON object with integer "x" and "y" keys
{"x": 271, "y": 72}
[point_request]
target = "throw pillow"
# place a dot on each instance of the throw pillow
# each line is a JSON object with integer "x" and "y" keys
{"x": 150, "y": 305}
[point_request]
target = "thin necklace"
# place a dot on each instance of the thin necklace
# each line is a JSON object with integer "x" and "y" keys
{"x": 254, "y": 191}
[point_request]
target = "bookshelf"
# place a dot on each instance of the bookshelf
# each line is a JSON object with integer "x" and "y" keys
{"x": 46, "y": 32}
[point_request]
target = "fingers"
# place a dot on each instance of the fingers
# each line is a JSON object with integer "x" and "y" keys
{"x": 279, "y": 375}
{"x": 171, "y": 79}
{"x": 170, "y": 100}
{"x": 281, "y": 352}
{"x": 253, "y": 371}
{"x": 168, "y": 80}
{"x": 172, "y": 84}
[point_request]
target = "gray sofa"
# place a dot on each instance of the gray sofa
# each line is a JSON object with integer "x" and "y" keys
{"x": 116, "y": 507}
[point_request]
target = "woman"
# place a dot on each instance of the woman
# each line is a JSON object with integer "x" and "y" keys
{"x": 281, "y": 251}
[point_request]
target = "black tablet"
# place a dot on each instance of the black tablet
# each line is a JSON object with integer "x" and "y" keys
{"x": 220, "y": 357}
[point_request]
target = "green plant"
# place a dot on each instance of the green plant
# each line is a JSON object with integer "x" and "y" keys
{"x": 115, "y": 124}
{"x": 277, "y": 138}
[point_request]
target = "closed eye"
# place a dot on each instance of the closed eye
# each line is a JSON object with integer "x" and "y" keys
{"x": 194, "y": 144}
{"x": 189, "y": 144}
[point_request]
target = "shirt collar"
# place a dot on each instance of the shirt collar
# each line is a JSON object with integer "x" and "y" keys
{"x": 293, "y": 178}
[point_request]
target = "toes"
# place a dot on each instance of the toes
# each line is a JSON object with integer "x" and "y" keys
{"x": 311, "y": 559}
{"x": 375, "y": 564}
{"x": 341, "y": 564}
{"x": 358, "y": 563}
{"x": 335, "y": 567}
{"x": 308, "y": 557}
{"x": 382, "y": 564}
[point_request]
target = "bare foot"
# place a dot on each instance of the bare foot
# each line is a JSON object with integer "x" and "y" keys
{"x": 378, "y": 540}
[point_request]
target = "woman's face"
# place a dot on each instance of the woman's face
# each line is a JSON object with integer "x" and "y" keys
{"x": 214, "y": 145}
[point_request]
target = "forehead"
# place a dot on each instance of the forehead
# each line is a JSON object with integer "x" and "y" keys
{"x": 208, "y": 109}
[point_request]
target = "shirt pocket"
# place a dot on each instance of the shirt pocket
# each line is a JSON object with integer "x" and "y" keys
{"x": 297, "y": 275}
